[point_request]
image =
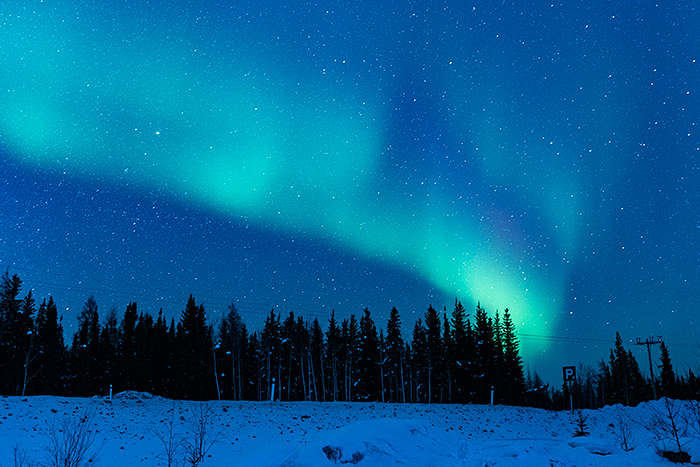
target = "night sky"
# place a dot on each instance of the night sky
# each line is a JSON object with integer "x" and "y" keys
{"x": 318, "y": 156}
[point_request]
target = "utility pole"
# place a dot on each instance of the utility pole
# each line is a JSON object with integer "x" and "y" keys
{"x": 649, "y": 342}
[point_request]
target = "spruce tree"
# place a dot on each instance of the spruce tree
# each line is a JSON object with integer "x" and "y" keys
{"x": 144, "y": 343}
{"x": 448, "y": 360}
{"x": 230, "y": 335}
{"x": 394, "y": 357}
{"x": 127, "y": 377}
{"x": 368, "y": 374}
{"x": 84, "y": 361}
{"x": 302, "y": 346}
{"x": 332, "y": 357}
{"x": 628, "y": 387}
{"x": 28, "y": 348}
{"x": 316, "y": 361}
{"x": 162, "y": 356}
{"x": 667, "y": 377}
{"x": 11, "y": 339}
{"x": 514, "y": 381}
{"x": 485, "y": 361}
{"x": 271, "y": 354}
{"x": 434, "y": 352}
{"x": 289, "y": 361}
{"x": 257, "y": 388}
{"x": 194, "y": 355}
{"x": 350, "y": 337}
{"x": 460, "y": 354}
{"x": 108, "y": 354}
{"x": 52, "y": 351}
{"x": 10, "y": 302}
{"x": 419, "y": 360}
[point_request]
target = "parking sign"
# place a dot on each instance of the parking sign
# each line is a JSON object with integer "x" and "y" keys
{"x": 569, "y": 373}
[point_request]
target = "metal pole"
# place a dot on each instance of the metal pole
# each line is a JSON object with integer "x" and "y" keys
{"x": 649, "y": 342}
{"x": 651, "y": 370}
{"x": 571, "y": 397}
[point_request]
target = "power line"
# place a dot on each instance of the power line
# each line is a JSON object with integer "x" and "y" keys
{"x": 564, "y": 339}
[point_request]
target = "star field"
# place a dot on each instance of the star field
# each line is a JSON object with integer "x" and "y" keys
{"x": 318, "y": 156}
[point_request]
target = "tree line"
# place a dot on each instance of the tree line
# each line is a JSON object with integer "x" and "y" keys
{"x": 619, "y": 380}
{"x": 449, "y": 358}
{"x": 453, "y": 357}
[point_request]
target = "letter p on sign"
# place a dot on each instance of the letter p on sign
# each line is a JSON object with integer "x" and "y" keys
{"x": 569, "y": 373}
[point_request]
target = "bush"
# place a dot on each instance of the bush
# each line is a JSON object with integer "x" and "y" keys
{"x": 623, "y": 431}
{"x": 172, "y": 443}
{"x": 201, "y": 436}
{"x": 71, "y": 442}
{"x": 667, "y": 424}
{"x": 581, "y": 425}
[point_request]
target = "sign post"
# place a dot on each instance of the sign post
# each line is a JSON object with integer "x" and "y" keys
{"x": 570, "y": 377}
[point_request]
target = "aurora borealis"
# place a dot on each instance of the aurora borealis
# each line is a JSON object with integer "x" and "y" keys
{"x": 312, "y": 156}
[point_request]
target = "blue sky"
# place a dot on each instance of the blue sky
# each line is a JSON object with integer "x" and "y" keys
{"x": 321, "y": 156}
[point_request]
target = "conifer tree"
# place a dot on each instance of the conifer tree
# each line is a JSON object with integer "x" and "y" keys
{"x": 368, "y": 374}
{"x": 108, "y": 354}
{"x": 128, "y": 348}
{"x": 162, "y": 356}
{"x": 485, "y": 364}
{"x": 52, "y": 351}
{"x": 448, "y": 360}
{"x": 394, "y": 357}
{"x": 302, "y": 346}
{"x": 460, "y": 355}
{"x": 382, "y": 371}
{"x": 231, "y": 336}
{"x": 434, "y": 352}
{"x": 316, "y": 361}
{"x": 10, "y": 302}
{"x": 271, "y": 355}
{"x": 194, "y": 356}
{"x": 498, "y": 382}
{"x": 419, "y": 359}
{"x": 144, "y": 346}
{"x": 333, "y": 353}
{"x": 289, "y": 359}
{"x": 27, "y": 342}
{"x": 627, "y": 384}
{"x": 350, "y": 337}
{"x": 84, "y": 352}
{"x": 514, "y": 381}
{"x": 256, "y": 361}
{"x": 668, "y": 378}
{"x": 11, "y": 339}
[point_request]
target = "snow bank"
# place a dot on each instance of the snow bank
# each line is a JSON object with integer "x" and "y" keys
{"x": 367, "y": 435}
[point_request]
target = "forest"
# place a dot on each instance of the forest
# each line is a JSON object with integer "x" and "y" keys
{"x": 454, "y": 357}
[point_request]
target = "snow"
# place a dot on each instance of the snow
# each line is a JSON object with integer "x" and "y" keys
{"x": 306, "y": 434}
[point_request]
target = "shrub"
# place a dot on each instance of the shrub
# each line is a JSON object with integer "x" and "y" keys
{"x": 200, "y": 437}
{"x": 581, "y": 425}
{"x": 71, "y": 442}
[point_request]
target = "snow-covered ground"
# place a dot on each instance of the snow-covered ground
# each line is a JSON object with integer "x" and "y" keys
{"x": 326, "y": 434}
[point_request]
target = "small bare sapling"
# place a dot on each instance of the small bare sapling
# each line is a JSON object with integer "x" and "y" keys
{"x": 623, "y": 431}
{"x": 201, "y": 435}
{"x": 669, "y": 426}
{"x": 171, "y": 441}
{"x": 71, "y": 441}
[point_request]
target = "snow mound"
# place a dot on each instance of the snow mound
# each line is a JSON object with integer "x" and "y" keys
{"x": 135, "y": 395}
{"x": 374, "y": 443}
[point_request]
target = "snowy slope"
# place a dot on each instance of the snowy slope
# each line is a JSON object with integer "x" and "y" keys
{"x": 325, "y": 434}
